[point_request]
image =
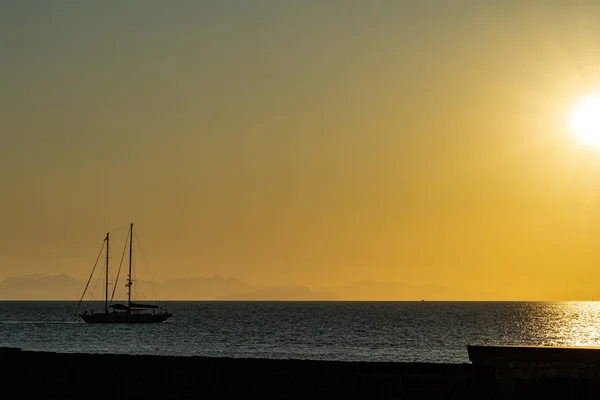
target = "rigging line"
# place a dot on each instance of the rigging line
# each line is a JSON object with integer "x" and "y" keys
{"x": 138, "y": 288}
{"x": 119, "y": 228}
{"x": 119, "y": 271}
{"x": 96, "y": 285}
{"x": 133, "y": 277}
{"x": 147, "y": 267}
{"x": 90, "y": 278}
{"x": 134, "y": 291}
{"x": 143, "y": 296}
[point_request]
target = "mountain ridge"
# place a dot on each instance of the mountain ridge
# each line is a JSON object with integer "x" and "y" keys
{"x": 218, "y": 288}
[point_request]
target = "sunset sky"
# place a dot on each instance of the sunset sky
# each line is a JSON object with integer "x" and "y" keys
{"x": 309, "y": 142}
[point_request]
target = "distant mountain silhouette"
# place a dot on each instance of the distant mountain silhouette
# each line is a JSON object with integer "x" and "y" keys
{"x": 400, "y": 291}
{"x": 283, "y": 293}
{"x": 64, "y": 287}
{"x": 197, "y": 288}
{"x": 41, "y": 287}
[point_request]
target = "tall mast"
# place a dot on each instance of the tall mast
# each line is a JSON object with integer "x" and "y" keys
{"x": 130, "y": 257}
{"x": 106, "y": 291}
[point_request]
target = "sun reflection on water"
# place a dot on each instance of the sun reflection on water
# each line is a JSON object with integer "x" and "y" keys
{"x": 562, "y": 323}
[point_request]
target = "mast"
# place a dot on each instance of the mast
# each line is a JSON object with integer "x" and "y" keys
{"x": 106, "y": 291}
{"x": 130, "y": 257}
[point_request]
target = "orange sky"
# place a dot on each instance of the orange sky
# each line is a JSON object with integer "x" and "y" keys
{"x": 317, "y": 143}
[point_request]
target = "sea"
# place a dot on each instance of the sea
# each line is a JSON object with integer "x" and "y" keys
{"x": 347, "y": 331}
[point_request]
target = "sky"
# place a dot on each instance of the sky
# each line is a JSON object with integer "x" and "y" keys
{"x": 309, "y": 142}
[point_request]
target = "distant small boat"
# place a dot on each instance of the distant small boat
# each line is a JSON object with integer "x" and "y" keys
{"x": 130, "y": 313}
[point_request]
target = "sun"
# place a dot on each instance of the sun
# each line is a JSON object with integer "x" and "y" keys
{"x": 584, "y": 120}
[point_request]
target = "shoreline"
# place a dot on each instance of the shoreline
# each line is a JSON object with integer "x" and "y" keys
{"x": 495, "y": 372}
{"x": 134, "y": 376}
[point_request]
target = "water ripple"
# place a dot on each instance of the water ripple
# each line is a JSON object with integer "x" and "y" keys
{"x": 353, "y": 331}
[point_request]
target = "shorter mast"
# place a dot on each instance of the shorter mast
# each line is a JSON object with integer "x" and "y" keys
{"x": 106, "y": 291}
{"x": 129, "y": 282}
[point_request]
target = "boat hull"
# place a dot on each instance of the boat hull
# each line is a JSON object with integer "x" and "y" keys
{"x": 125, "y": 318}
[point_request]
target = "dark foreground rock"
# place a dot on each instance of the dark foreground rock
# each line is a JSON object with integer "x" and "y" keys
{"x": 495, "y": 373}
{"x": 58, "y": 375}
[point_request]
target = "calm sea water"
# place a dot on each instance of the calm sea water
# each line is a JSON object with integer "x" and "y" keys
{"x": 357, "y": 331}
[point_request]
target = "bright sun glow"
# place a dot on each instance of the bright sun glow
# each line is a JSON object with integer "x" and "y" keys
{"x": 585, "y": 120}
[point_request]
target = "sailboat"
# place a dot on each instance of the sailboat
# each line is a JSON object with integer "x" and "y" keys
{"x": 130, "y": 313}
